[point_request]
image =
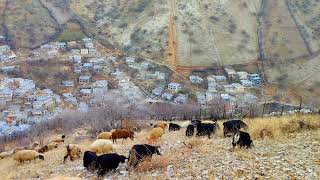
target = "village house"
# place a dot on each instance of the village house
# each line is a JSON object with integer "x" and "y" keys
{"x": 167, "y": 96}
{"x": 75, "y": 51}
{"x": 255, "y": 79}
{"x": 97, "y": 69}
{"x": 201, "y": 98}
{"x": 101, "y": 84}
{"x": 181, "y": 99}
{"x": 145, "y": 65}
{"x": 174, "y": 87}
{"x": 6, "y": 94}
{"x": 238, "y": 87}
{"x": 67, "y": 95}
{"x": 220, "y": 79}
{"x": 75, "y": 59}
{"x": 246, "y": 83}
{"x": 85, "y": 92}
{"x": 195, "y": 79}
{"x": 68, "y": 83}
{"x": 229, "y": 88}
{"x": 211, "y": 78}
{"x": 158, "y": 90}
{"x": 87, "y": 66}
{"x": 47, "y": 46}
{"x": 87, "y": 40}
{"x": 53, "y": 53}
{"x": 92, "y": 51}
{"x": 89, "y": 45}
{"x": 7, "y": 69}
{"x": 61, "y": 45}
{"x": 84, "y": 51}
{"x": 97, "y": 61}
{"x": 130, "y": 60}
{"x": 231, "y": 73}
{"x": 4, "y": 49}
{"x": 211, "y": 96}
{"x": 159, "y": 75}
{"x": 77, "y": 70}
{"x": 242, "y": 75}
{"x": 38, "y": 112}
{"x": 72, "y": 44}
{"x": 84, "y": 79}
{"x": 37, "y": 104}
{"x": 212, "y": 86}
{"x": 6, "y": 58}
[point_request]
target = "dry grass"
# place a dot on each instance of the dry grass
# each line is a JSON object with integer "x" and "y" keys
{"x": 279, "y": 127}
{"x": 156, "y": 163}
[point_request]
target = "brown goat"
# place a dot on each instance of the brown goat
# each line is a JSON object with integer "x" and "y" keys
{"x": 121, "y": 134}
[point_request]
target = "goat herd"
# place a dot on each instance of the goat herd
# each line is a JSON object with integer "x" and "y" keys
{"x": 108, "y": 161}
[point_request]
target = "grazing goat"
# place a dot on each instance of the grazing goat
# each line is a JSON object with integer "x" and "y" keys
{"x": 140, "y": 151}
{"x": 242, "y": 139}
{"x": 121, "y": 134}
{"x": 190, "y": 130}
{"x": 155, "y": 134}
{"x": 73, "y": 151}
{"x": 90, "y": 160}
{"x": 101, "y": 146}
{"x": 232, "y": 126}
{"x": 174, "y": 127}
{"x": 27, "y": 155}
{"x": 204, "y": 129}
{"x": 108, "y": 162}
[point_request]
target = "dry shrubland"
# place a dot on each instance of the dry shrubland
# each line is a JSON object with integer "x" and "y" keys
{"x": 279, "y": 127}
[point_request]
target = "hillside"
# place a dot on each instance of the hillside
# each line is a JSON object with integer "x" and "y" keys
{"x": 279, "y": 37}
{"x": 289, "y": 151}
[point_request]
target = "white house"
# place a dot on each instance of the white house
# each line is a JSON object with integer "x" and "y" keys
{"x": 6, "y": 94}
{"x": 246, "y": 83}
{"x": 181, "y": 99}
{"x": 75, "y": 58}
{"x": 212, "y": 86}
{"x": 201, "y": 98}
{"x": 159, "y": 75}
{"x": 211, "y": 96}
{"x": 220, "y": 78}
{"x": 211, "y": 78}
{"x": 130, "y": 60}
{"x": 158, "y": 91}
{"x": 229, "y": 88}
{"x": 174, "y": 87}
{"x": 84, "y": 51}
{"x": 4, "y": 49}
{"x": 101, "y": 84}
{"x": 242, "y": 75}
{"x": 92, "y": 51}
{"x": 87, "y": 66}
{"x": 167, "y": 96}
{"x": 68, "y": 83}
{"x": 85, "y": 92}
{"x": 195, "y": 79}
